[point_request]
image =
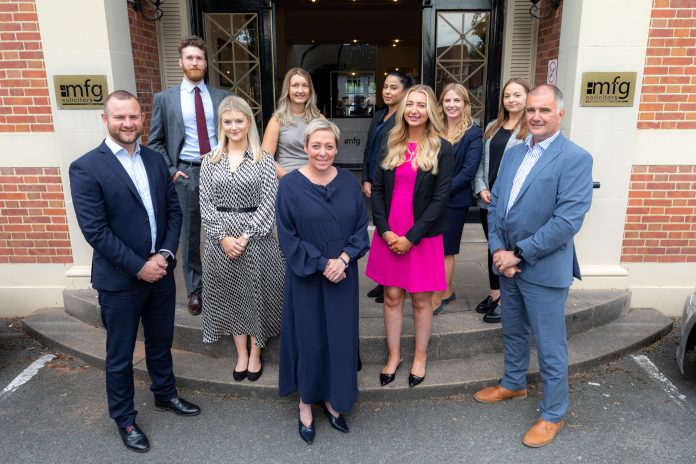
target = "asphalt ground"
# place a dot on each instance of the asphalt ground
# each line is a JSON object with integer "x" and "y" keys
{"x": 618, "y": 414}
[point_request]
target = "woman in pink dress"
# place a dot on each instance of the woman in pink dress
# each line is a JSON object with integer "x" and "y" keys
{"x": 410, "y": 191}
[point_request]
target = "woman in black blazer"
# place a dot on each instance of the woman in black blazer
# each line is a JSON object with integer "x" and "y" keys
{"x": 395, "y": 85}
{"x": 410, "y": 192}
{"x": 467, "y": 145}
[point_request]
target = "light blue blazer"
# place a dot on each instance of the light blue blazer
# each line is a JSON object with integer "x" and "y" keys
{"x": 548, "y": 211}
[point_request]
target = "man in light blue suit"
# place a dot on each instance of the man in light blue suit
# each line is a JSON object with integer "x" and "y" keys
{"x": 538, "y": 204}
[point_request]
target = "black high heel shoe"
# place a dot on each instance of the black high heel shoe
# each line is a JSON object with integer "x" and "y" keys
{"x": 386, "y": 379}
{"x": 414, "y": 380}
{"x": 306, "y": 432}
{"x": 339, "y": 423}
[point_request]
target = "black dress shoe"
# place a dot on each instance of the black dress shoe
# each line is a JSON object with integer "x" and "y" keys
{"x": 254, "y": 376}
{"x": 414, "y": 380}
{"x": 239, "y": 376}
{"x": 339, "y": 423}
{"x": 178, "y": 406}
{"x": 493, "y": 316}
{"x": 386, "y": 379}
{"x": 306, "y": 432}
{"x": 375, "y": 292}
{"x": 487, "y": 304}
{"x": 195, "y": 303}
{"x": 134, "y": 438}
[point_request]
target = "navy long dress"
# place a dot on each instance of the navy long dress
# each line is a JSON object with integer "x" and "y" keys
{"x": 319, "y": 327}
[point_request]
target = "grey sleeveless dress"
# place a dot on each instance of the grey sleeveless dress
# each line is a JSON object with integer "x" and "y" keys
{"x": 290, "y": 151}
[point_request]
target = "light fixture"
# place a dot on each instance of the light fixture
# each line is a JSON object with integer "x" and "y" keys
{"x": 396, "y": 40}
{"x": 393, "y": 45}
{"x": 355, "y": 41}
{"x": 535, "y": 11}
{"x": 137, "y": 6}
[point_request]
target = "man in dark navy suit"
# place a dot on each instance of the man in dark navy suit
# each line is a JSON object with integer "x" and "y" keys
{"x": 129, "y": 213}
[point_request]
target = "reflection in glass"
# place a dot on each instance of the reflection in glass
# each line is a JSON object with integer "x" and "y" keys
{"x": 233, "y": 56}
{"x": 461, "y": 54}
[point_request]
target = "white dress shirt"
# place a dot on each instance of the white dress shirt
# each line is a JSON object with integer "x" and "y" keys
{"x": 191, "y": 151}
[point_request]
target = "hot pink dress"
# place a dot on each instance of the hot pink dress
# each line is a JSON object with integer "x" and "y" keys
{"x": 422, "y": 268}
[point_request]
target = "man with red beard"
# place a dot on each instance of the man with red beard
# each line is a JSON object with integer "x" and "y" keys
{"x": 184, "y": 120}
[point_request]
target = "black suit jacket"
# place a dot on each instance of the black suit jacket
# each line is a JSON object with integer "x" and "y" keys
{"x": 371, "y": 140}
{"x": 430, "y": 197}
{"x": 113, "y": 218}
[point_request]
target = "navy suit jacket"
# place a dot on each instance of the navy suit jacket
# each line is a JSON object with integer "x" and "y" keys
{"x": 113, "y": 218}
{"x": 467, "y": 156}
{"x": 548, "y": 212}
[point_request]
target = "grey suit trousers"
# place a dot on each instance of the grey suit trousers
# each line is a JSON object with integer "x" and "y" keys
{"x": 190, "y": 228}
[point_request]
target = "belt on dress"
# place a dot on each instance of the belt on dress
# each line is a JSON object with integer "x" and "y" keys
{"x": 190, "y": 163}
{"x": 249, "y": 209}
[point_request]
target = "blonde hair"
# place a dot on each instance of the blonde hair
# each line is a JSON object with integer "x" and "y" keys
{"x": 321, "y": 124}
{"x": 465, "y": 120}
{"x": 235, "y": 103}
{"x": 428, "y": 145}
{"x": 504, "y": 114}
{"x": 284, "y": 111}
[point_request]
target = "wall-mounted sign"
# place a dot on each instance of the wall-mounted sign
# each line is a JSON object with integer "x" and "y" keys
{"x": 551, "y": 72}
{"x": 607, "y": 89}
{"x": 80, "y": 92}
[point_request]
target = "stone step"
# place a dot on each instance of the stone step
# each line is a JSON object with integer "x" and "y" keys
{"x": 458, "y": 332}
{"x": 636, "y": 329}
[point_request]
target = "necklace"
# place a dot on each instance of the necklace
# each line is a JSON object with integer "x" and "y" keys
{"x": 411, "y": 153}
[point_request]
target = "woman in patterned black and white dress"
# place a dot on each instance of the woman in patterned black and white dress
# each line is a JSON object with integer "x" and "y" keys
{"x": 243, "y": 269}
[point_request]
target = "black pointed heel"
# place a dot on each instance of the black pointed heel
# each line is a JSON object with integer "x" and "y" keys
{"x": 339, "y": 423}
{"x": 386, "y": 379}
{"x": 306, "y": 432}
{"x": 414, "y": 380}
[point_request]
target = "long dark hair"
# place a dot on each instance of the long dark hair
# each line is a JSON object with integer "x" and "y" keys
{"x": 504, "y": 115}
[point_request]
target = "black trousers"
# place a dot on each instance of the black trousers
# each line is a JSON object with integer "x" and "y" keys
{"x": 493, "y": 279}
{"x": 121, "y": 313}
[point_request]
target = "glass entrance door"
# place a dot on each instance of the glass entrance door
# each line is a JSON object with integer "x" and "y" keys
{"x": 462, "y": 43}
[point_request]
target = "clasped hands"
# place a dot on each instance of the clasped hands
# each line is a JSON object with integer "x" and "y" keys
{"x": 233, "y": 246}
{"x": 506, "y": 262}
{"x": 396, "y": 244}
{"x": 155, "y": 268}
{"x": 335, "y": 269}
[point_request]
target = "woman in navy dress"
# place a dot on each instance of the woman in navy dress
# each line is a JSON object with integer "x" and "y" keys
{"x": 465, "y": 137}
{"x": 322, "y": 230}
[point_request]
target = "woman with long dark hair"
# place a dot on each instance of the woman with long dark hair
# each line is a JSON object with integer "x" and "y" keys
{"x": 506, "y": 131}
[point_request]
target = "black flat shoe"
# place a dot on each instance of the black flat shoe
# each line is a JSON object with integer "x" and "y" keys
{"x": 134, "y": 438}
{"x": 493, "y": 316}
{"x": 386, "y": 379}
{"x": 452, "y": 298}
{"x": 414, "y": 380}
{"x": 380, "y": 299}
{"x": 306, "y": 432}
{"x": 178, "y": 406}
{"x": 339, "y": 423}
{"x": 375, "y": 292}
{"x": 487, "y": 304}
{"x": 239, "y": 376}
{"x": 254, "y": 376}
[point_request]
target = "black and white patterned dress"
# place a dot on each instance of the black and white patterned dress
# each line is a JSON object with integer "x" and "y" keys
{"x": 242, "y": 295}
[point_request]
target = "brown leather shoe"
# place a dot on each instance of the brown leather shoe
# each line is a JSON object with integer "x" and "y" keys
{"x": 542, "y": 433}
{"x": 498, "y": 393}
{"x": 195, "y": 303}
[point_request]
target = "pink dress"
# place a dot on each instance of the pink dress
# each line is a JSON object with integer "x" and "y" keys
{"x": 422, "y": 268}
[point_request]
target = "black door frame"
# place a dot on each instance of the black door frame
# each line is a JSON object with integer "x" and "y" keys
{"x": 266, "y": 13}
{"x": 495, "y": 45}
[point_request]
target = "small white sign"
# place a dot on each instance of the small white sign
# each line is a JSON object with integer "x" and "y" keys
{"x": 551, "y": 73}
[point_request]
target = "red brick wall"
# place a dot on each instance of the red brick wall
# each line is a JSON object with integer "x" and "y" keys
{"x": 33, "y": 223}
{"x": 668, "y": 100}
{"x": 24, "y": 100}
{"x": 145, "y": 59}
{"x": 549, "y": 40}
{"x": 661, "y": 215}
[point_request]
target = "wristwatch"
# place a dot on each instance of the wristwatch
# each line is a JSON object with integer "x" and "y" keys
{"x": 518, "y": 253}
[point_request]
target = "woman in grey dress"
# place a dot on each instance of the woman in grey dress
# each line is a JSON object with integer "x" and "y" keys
{"x": 284, "y": 135}
{"x": 243, "y": 269}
